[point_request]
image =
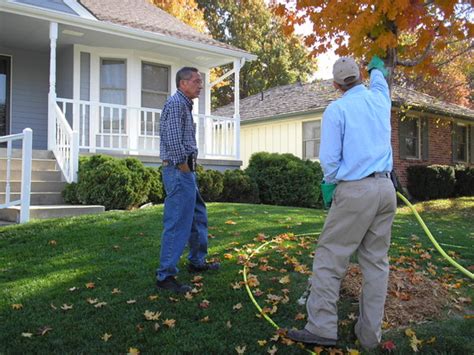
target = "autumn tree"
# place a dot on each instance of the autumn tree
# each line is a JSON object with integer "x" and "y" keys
{"x": 407, "y": 33}
{"x": 185, "y": 10}
{"x": 251, "y": 25}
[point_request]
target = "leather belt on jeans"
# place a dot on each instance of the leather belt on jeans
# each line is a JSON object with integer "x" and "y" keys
{"x": 379, "y": 175}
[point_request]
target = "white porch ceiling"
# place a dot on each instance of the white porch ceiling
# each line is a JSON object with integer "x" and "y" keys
{"x": 29, "y": 33}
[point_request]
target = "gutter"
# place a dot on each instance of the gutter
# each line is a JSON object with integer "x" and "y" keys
{"x": 414, "y": 107}
{"x": 96, "y": 25}
{"x": 282, "y": 116}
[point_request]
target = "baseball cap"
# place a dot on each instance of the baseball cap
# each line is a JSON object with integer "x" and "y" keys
{"x": 345, "y": 71}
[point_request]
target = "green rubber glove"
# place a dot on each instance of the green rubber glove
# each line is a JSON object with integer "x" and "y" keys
{"x": 377, "y": 63}
{"x": 327, "y": 190}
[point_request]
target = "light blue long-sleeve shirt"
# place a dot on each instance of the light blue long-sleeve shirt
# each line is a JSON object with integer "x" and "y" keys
{"x": 356, "y": 133}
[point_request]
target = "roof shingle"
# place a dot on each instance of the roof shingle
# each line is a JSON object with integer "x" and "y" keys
{"x": 142, "y": 15}
{"x": 302, "y": 98}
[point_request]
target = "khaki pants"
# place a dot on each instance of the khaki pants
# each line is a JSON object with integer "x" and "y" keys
{"x": 360, "y": 219}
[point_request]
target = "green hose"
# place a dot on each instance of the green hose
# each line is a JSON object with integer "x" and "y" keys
{"x": 420, "y": 221}
{"x": 435, "y": 243}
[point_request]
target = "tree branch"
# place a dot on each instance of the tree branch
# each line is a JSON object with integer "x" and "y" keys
{"x": 416, "y": 61}
{"x": 471, "y": 47}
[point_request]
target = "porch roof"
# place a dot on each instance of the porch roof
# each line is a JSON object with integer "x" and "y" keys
{"x": 27, "y": 26}
{"x": 300, "y": 99}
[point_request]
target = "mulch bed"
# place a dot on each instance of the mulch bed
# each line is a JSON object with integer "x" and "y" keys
{"x": 412, "y": 297}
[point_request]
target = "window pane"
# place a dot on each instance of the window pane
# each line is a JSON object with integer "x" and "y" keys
{"x": 409, "y": 138}
{"x": 311, "y": 130}
{"x": 113, "y": 81}
{"x": 461, "y": 143}
{"x": 152, "y": 100}
{"x": 311, "y": 149}
{"x": 155, "y": 77}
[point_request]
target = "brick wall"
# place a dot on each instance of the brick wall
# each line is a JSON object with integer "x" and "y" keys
{"x": 439, "y": 146}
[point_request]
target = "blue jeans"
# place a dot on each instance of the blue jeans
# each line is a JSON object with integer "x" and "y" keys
{"x": 184, "y": 222}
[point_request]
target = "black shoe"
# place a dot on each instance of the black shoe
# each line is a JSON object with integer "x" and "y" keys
{"x": 171, "y": 284}
{"x": 204, "y": 267}
{"x": 305, "y": 336}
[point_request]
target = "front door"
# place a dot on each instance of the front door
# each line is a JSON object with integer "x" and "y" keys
{"x": 5, "y": 68}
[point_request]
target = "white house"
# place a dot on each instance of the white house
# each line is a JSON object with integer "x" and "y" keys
{"x": 92, "y": 76}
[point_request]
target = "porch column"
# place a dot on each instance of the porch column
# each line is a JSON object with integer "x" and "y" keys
{"x": 237, "y": 66}
{"x": 53, "y": 37}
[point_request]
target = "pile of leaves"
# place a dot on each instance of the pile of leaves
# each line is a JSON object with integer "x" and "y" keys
{"x": 411, "y": 298}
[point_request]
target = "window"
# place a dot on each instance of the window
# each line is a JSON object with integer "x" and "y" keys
{"x": 311, "y": 139}
{"x": 413, "y": 138}
{"x": 460, "y": 143}
{"x": 155, "y": 85}
{"x": 113, "y": 90}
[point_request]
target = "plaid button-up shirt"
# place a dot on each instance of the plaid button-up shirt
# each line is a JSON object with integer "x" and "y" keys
{"x": 177, "y": 129}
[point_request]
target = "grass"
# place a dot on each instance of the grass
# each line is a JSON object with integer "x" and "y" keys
{"x": 46, "y": 265}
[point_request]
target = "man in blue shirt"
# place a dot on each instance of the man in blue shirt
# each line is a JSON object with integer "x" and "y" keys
{"x": 185, "y": 215}
{"x": 356, "y": 155}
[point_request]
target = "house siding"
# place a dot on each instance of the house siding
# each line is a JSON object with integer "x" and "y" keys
{"x": 64, "y": 77}
{"x": 30, "y": 77}
{"x": 276, "y": 136}
{"x": 57, "y": 5}
{"x": 439, "y": 146}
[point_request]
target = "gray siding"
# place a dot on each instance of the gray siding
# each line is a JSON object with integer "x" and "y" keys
{"x": 30, "y": 78}
{"x": 57, "y": 5}
{"x": 64, "y": 71}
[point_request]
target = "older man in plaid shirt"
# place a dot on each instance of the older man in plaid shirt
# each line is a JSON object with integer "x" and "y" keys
{"x": 185, "y": 216}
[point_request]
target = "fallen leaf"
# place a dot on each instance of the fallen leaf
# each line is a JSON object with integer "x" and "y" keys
{"x": 431, "y": 340}
{"x": 285, "y": 280}
{"x": 170, "y": 323}
{"x": 352, "y": 351}
{"x": 197, "y": 279}
{"x": 389, "y": 345}
{"x": 100, "y": 304}
{"x": 106, "y": 337}
{"x": 115, "y": 291}
{"x": 272, "y": 350}
{"x": 228, "y": 324}
{"x": 43, "y": 330}
{"x": 205, "y": 319}
{"x": 26, "y": 335}
{"x": 240, "y": 349}
{"x": 230, "y": 222}
{"x": 53, "y": 242}
{"x": 72, "y": 289}
{"x": 262, "y": 342}
{"x": 131, "y": 301}
{"x": 153, "y": 297}
{"x": 92, "y": 300}
{"x": 236, "y": 285}
{"x": 300, "y": 316}
{"x": 17, "y": 306}
{"x": 228, "y": 256}
{"x": 156, "y": 326}
{"x": 139, "y": 327}
{"x": 133, "y": 351}
{"x": 66, "y": 307}
{"x": 173, "y": 299}
{"x": 204, "y": 304}
{"x": 149, "y": 315}
{"x": 237, "y": 306}
{"x": 90, "y": 285}
{"x": 53, "y": 306}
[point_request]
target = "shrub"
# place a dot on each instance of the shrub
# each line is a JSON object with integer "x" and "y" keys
{"x": 70, "y": 194}
{"x": 464, "y": 181}
{"x": 113, "y": 183}
{"x": 239, "y": 187}
{"x": 156, "y": 192}
{"x": 284, "y": 179}
{"x": 430, "y": 182}
{"x": 211, "y": 184}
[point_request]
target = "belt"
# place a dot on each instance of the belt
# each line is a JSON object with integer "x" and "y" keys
{"x": 379, "y": 175}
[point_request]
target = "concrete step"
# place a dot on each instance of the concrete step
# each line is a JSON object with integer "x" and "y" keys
{"x": 37, "y": 198}
{"x": 48, "y": 175}
{"x": 37, "y": 164}
{"x": 36, "y": 154}
{"x": 12, "y": 214}
{"x": 36, "y": 186}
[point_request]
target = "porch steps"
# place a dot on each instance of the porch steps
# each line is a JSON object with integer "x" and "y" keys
{"x": 46, "y": 200}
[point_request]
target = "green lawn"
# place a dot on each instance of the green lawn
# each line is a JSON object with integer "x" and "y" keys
{"x": 66, "y": 283}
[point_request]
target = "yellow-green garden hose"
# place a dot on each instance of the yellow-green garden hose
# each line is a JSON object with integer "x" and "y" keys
{"x": 420, "y": 221}
{"x": 433, "y": 240}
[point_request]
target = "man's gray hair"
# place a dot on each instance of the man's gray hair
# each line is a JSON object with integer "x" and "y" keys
{"x": 185, "y": 73}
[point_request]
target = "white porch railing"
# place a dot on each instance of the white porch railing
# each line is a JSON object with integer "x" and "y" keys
{"x": 24, "y": 201}
{"x": 135, "y": 130}
{"x": 66, "y": 146}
